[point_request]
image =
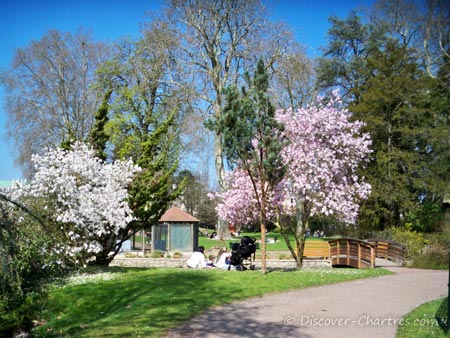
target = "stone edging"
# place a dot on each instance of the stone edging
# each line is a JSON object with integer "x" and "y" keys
{"x": 181, "y": 262}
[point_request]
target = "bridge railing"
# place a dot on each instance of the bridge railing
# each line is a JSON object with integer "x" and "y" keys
{"x": 389, "y": 250}
{"x": 352, "y": 252}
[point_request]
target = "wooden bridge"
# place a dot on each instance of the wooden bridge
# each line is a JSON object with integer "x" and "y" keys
{"x": 390, "y": 250}
{"x": 354, "y": 252}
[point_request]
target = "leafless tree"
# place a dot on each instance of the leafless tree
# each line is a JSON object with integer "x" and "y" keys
{"x": 292, "y": 82}
{"x": 220, "y": 40}
{"x": 48, "y": 94}
{"x": 421, "y": 25}
{"x": 436, "y": 34}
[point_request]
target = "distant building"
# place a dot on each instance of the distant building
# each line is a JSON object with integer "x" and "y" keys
{"x": 176, "y": 231}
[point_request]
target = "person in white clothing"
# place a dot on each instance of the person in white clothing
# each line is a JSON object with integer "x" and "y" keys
{"x": 224, "y": 261}
{"x": 197, "y": 260}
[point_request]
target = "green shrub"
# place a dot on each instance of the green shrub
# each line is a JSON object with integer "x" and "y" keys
{"x": 276, "y": 230}
{"x": 434, "y": 259}
{"x": 28, "y": 262}
{"x": 425, "y": 217}
{"x": 17, "y": 312}
{"x": 440, "y": 240}
{"x": 177, "y": 254}
{"x": 414, "y": 241}
{"x": 131, "y": 255}
{"x": 157, "y": 254}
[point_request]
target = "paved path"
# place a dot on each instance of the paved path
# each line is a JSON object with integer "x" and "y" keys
{"x": 358, "y": 309}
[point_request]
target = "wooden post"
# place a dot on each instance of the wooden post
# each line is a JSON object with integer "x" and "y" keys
{"x": 359, "y": 255}
{"x": 338, "y": 252}
{"x": 372, "y": 257}
{"x": 348, "y": 252}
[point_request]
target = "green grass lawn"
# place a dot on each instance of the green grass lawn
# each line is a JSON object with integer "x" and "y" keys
{"x": 131, "y": 302}
{"x": 279, "y": 245}
{"x": 420, "y": 323}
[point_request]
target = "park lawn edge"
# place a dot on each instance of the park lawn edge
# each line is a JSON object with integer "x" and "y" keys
{"x": 421, "y": 322}
{"x": 81, "y": 308}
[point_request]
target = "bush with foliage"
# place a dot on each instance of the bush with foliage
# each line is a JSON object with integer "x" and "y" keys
{"x": 436, "y": 253}
{"x": 157, "y": 254}
{"x": 414, "y": 241}
{"x": 85, "y": 200}
{"x": 434, "y": 259}
{"x": 28, "y": 263}
{"x": 425, "y": 217}
{"x": 424, "y": 250}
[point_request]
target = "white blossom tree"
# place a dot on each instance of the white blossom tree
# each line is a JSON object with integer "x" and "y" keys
{"x": 85, "y": 198}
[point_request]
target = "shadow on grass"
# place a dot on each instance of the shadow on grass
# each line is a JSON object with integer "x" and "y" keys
{"x": 150, "y": 300}
{"x": 146, "y": 303}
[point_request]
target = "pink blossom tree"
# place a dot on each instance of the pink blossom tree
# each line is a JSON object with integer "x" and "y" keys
{"x": 322, "y": 156}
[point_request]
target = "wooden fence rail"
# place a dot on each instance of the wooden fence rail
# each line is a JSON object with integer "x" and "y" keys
{"x": 389, "y": 250}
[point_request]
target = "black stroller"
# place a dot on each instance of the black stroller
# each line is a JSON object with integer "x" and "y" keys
{"x": 243, "y": 251}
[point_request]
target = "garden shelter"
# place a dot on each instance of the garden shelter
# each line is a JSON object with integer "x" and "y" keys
{"x": 176, "y": 230}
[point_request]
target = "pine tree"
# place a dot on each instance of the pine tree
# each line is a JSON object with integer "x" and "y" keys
{"x": 251, "y": 139}
{"x": 342, "y": 65}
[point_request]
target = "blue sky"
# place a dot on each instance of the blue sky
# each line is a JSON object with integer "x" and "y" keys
{"x": 24, "y": 21}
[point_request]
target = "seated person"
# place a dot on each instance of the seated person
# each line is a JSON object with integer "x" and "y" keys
{"x": 224, "y": 261}
{"x": 197, "y": 260}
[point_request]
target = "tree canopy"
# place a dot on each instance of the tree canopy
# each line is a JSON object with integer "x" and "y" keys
{"x": 320, "y": 159}
{"x": 251, "y": 139}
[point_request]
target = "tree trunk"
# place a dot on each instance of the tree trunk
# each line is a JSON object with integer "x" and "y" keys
{"x": 218, "y": 162}
{"x": 222, "y": 227}
{"x": 300, "y": 233}
{"x": 262, "y": 220}
{"x": 263, "y": 248}
{"x": 300, "y": 247}
{"x": 103, "y": 259}
{"x": 111, "y": 248}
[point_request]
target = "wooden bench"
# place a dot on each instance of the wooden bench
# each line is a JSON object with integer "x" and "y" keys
{"x": 316, "y": 249}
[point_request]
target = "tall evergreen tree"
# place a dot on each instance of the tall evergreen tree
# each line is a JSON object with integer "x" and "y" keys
{"x": 251, "y": 139}
{"x": 386, "y": 84}
{"x": 152, "y": 191}
{"x": 435, "y": 150}
{"x": 342, "y": 65}
{"x": 391, "y": 104}
{"x": 98, "y": 136}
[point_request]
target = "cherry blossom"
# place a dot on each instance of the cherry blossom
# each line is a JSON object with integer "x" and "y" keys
{"x": 322, "y": 156}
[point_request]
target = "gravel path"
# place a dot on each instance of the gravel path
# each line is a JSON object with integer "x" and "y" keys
{"x": 359, "y": 309}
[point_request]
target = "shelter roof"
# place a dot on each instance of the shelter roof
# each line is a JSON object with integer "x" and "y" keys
{"x": 175, "y": 214}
